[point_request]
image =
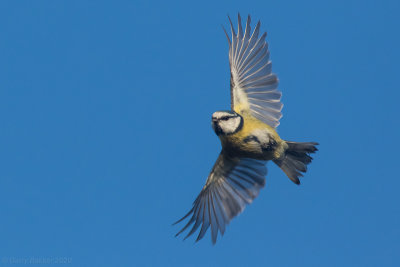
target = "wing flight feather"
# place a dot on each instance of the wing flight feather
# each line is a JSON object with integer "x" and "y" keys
{"x": 253, "y": 85}
{"x": 232, "y": 184}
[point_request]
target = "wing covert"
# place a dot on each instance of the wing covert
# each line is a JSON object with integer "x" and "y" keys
{"x": 253, "y": 85}
{"x": 232, "y": 184}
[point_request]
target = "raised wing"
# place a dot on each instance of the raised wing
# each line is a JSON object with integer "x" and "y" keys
{"x": 253, "y": 85}
{"x": 232, "y": 184}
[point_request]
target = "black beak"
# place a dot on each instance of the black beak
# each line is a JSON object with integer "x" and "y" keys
{"x": 216, "y": 127}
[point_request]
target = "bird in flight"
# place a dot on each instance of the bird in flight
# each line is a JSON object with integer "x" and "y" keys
{"x": 248, "y": 137}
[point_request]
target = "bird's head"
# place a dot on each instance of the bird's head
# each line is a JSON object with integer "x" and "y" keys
{"x": 226, "y": 122}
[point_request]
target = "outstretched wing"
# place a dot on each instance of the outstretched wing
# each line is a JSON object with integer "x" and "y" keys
{"x": 232, "y": 184}
{"x": 253, "y": 85}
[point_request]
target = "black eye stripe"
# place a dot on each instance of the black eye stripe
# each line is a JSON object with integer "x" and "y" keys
{"x": 225, "y": 118}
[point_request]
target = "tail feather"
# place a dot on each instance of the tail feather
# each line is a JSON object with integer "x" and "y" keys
{"x": 294, "y": 162}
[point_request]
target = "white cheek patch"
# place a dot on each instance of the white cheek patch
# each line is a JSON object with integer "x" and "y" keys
{"x": 230, "y": 126}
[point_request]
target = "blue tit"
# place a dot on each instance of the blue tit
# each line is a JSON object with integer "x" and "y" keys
{"x": 248, "y": 137}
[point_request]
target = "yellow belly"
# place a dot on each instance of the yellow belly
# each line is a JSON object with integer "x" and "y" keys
{"x": 236, "y": 144}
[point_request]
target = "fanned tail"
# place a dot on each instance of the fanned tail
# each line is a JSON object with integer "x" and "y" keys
{"x": 296, "y": 159}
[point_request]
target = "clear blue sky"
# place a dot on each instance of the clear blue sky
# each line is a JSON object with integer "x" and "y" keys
{"x": 105, "y": 136}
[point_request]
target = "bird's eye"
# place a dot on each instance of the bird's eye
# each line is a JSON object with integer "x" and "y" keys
{"x": 225, "y": 118}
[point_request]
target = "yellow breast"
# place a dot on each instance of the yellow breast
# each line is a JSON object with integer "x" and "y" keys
{"x": 235, "y": 142}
